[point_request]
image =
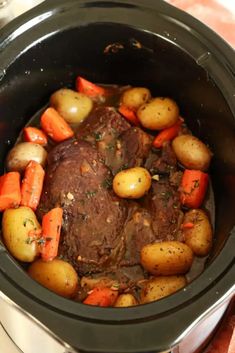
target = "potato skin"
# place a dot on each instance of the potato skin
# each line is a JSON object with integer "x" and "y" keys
{"x": 199, "y": 237}
{"x": 158, "y": 114}
{"x": 161, "y": 287}
{"x": 57, "y": 275}
{"x": 191, "y": 152}
{"x": 132, "y": 183}
{"x": 16, "y": 224}
{"x": 74, "y": 107}
{"x": 166, "y": 258}
{"x": 134, "y": 97}
{"x": 22, "y": 153}
{"x": 125, "y": 300}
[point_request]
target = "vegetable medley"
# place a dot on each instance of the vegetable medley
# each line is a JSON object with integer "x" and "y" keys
{"x": 35, "y": 238}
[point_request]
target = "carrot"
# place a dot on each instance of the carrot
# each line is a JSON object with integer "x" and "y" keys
{"x": 193, "y": 188}
{"x": 32, "y": 184}
{"x": 101, "y": 297}
{"x": 187, "y": 225}
{"x": 167, "y": 134}
{"x": 51, "y": 226}
{"x": 55, "y": 126}
{"x": 32, "y": 134}
{"x": 129, "y": 114}
{"x": 10, "y": 195}
{"x": 89, "y": 88}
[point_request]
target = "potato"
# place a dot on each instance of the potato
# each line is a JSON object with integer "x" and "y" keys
{"x": 161, "y": 287}
{"x": 132, "y": 183}
{"x": 158, "y": 114}
{"x": 191, "y": 152}
{"x": 16, "y": 224}
{"x": 74, "y": 107}
{"x": 166, "y": 258}
{"x": 199, "y": 237}
{"x": 125, "y": 300}
{"x": 57, "y": 275}
{"x": 22, "y": 153}
{"x": 134, "y": 97}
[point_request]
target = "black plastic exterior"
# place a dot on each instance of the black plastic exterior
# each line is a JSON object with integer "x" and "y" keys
{"x": 173, "y": 54}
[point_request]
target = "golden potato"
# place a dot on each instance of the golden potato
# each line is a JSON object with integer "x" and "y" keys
{"x": 57, "y": 275}
{"x": 74, "y": 107}
{"x": 191, "y": 152}
{"x": 158, "y": 114}
{"x": 132, "y": 183}
{"x": 161, "y": 287}
{"x": 16, "y": 225}
{"x": 166, "y": 258}
{"x": 22, "y": 153}
{"x": 134, "y": 97}
{"x": 125, "y": 300}
{"x": 199, "y": 237}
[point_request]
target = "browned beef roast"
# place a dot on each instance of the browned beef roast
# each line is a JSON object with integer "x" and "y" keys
{"x": 101, "y": 233}
{"x": 162, "y": 161}
{"x": 164, "y": 206}
{"x": 93, "y": 216}
{"x": 120, "y": 145}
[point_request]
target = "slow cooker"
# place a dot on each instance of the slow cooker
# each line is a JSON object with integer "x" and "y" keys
{"x": 138, "y": 42}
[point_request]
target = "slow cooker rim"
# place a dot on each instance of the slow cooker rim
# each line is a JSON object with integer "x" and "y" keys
{"x": 199, "y": 27}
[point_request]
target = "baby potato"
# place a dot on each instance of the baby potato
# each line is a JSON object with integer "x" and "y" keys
{"x": 166, "y": 258}
{"x": 158, "y": 114}
{"x": 161, "y": 287}
{"x": 57, "y": 275}
{"x": 134, "y": 97}
{"x": 191, "y": 152}
{"x": 22, "y": 153}
{"x": 16, "y": 225}
{"x": 199, "y": 237}
{"x": 125, "y": 300}
{"x": 74, "y": 107}
{"x": 132, "y": 183}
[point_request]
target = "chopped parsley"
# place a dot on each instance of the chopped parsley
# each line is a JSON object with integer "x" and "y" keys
{"x": 90, "y": 194}
{"x": 98, "y": 136}
{"x": 27, "y": 220}
{"x": 107, "y": 183}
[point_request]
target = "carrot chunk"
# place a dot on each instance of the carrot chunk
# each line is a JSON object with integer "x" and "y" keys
{"x": 193, "y": 188}
{"x": 101, "y": 297}
{"x": 10, "y": 195}
{"x": 55, "y": 126}
{"x": 167, "y": 134}
{"x": 32, "y": 134}
{"x": 32, "y": 185}
{"x": 89, "y": 88}
{"x": 129, "y": 115}
{"x": 51, "y": 227}
{"x": 187, "y": 225}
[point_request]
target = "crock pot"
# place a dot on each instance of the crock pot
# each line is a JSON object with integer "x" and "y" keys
{"x": 138, "y": 42}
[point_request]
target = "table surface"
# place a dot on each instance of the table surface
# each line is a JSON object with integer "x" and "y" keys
{"x": 16, "y": 8}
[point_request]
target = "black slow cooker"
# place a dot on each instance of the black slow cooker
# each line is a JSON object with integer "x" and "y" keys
{"x": 138, "y": 42}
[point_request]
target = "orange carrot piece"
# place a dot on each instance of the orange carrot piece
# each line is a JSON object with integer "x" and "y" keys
{"x": 32, "y": 185}
{"x": 167, "y": 134}
{"x": 101, "y": 297}
{"x": 10, "y": 195}
{"x": 129, "y": 115}
{"x": 32, "y": 134}
{"x": 193, "y": 188}
{"x": 187, "y": 225}
{"x": 51, "y": 227}
{"x": 55, "y": 126}
{"x": 89, "y": 88}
